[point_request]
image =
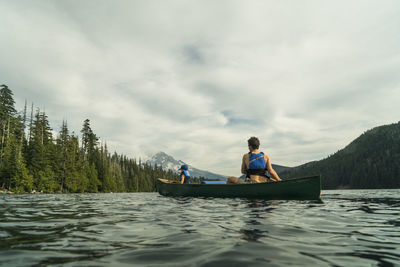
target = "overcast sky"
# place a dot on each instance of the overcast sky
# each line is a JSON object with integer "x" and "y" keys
{"x": 196, "y": 79}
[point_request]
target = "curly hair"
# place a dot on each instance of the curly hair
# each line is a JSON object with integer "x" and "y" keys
{"x": 254, "y": 142}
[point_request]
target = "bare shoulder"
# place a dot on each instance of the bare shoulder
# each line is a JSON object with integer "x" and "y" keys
{"x": 266, "y": 157}
{"x": 246, "y": 156}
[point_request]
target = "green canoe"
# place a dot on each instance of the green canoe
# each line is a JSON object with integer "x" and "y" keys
{"x": 306, "y": 188}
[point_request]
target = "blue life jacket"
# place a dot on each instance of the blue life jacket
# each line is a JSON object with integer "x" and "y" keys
{"x": 187, "y": 177}
{"x": 256, "y": 161}
{"x": 257, "y": 165}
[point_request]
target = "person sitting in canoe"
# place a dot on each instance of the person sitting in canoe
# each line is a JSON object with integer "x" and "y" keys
{"x": 184, "y": 174}
{"x": 254, "y": 165}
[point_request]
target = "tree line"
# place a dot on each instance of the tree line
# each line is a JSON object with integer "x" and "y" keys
{"x": 32, "y": 159}
{"x": 370, "y": 161}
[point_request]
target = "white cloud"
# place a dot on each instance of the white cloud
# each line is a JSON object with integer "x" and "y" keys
{"x": 196, "y": 79}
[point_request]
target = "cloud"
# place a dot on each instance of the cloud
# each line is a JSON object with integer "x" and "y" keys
{"x": 197, "y": 79}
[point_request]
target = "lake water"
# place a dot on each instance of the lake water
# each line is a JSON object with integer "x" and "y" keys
{"x": 348, "y": 228}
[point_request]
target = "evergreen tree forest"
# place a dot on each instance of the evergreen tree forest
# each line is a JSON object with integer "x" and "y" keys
{"x": 32, "y": 159}
{"x": 370, "y": 161}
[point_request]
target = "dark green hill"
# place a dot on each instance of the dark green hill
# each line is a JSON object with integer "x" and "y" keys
{"x": 370, "y": 161}
{"x": 280, "y": 168}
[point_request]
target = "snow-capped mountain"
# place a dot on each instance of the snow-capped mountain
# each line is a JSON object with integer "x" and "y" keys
{"x": 168, "y": 162}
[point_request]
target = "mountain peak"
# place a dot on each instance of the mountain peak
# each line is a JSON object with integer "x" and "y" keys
{"x": 163, "y": 159}
{"x": 168, "y": 162}
{"x": 160, "y": 154}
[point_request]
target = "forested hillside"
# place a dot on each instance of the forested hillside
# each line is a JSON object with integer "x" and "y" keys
{"x": 370, "y": 161}
{"x": 31, "y": 158}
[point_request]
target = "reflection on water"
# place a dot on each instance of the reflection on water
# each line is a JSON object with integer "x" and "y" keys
{"x": 347, "y": 228}
{"x": 259, "y": 210}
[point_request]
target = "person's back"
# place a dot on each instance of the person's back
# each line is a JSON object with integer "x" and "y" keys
{"x": 255, "y": 164}
{"x": 184, "y": 174}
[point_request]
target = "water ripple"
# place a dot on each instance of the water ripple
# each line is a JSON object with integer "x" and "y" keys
{"x": 347, "y": 228}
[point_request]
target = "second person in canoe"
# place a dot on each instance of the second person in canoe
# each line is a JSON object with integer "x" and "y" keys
{"x": 184, "y": 174}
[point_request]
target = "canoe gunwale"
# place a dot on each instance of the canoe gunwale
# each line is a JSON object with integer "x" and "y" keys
{"x": 303, "y": 188}
{"x": 246, "y": 184}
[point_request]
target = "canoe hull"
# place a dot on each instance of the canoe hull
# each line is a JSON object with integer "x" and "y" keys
{"x": 307, "y": 188}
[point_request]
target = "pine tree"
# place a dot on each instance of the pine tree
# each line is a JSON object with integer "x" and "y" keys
{"x": 7, "y": 108}
{"x": 91, "y": 174}
{"x": 7, "y": 166}
{"x": 41, "y": 154}
{"x": 89, "y": 141}
{"x": 62, "y": 143}
{"x": 13, "y": 170}
{"x": 117, "y": 176}
{"x": 7, "y": 141}
{"x": 108, "y": 183}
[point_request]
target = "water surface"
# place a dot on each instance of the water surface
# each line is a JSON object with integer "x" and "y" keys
{"x": 348, "y": 228}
